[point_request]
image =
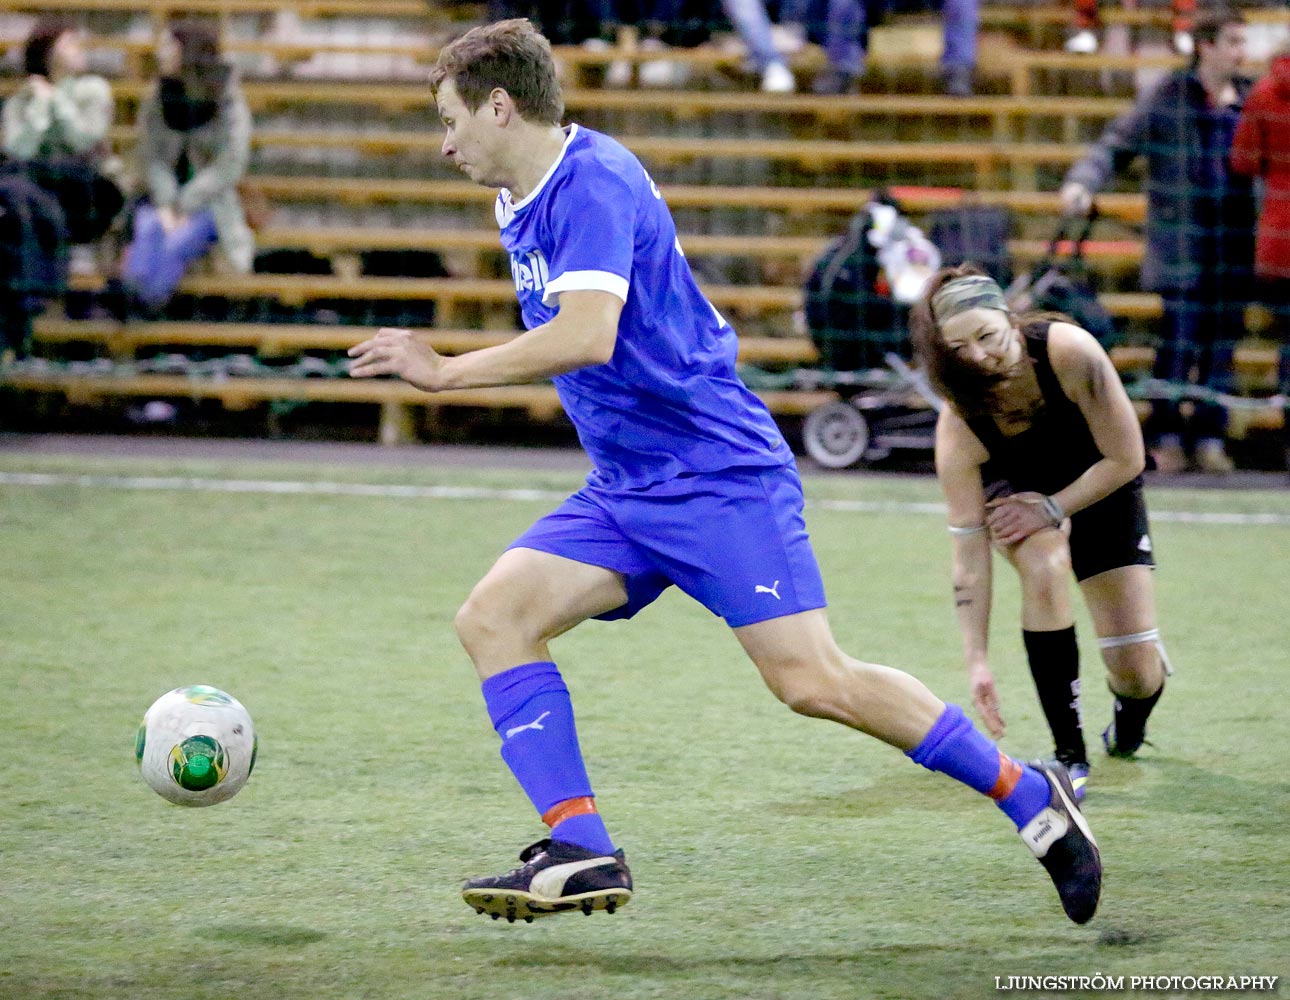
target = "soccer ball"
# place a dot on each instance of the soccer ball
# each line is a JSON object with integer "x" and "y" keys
{"x": 196, "y": 746}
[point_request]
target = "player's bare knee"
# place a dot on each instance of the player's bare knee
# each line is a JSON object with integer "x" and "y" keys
{"x": 1135, "y": 671}
{"x": 482, "y": 622}
{"x": 807, "y": 686}
{"x": 1044, "y": 554}
{"x": 470, "y": 624}
{"x": 1044, "y": 564}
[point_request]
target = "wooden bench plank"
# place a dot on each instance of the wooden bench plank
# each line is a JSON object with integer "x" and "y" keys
{"x": 237, "y": 393}
{"x": 1253, "y": 359}
{"x": 807, "y": 153}
{"x": 324, "y": 240}
{"x": 1124, "y": 207}
{"x": 281, "y": 338}
{"x": 298, "y": 288}
{"x": 263, "y": 94}
{"x": 1013, "y": 15}
{"x": 164, "y": 8}
{"x": 295, "y": 289}
{"x": 540, "y": 401}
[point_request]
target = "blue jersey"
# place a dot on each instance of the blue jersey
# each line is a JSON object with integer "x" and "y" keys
{"x": 669, "y": 400}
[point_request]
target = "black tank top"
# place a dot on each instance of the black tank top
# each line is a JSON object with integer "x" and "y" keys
{"x": 1057, "y": 447}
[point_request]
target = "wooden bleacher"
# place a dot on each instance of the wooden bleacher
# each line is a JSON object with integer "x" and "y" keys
{"x": 293, "y": 289}
{"x": 397, "y": 401}
{"x": 833, "y": 201}
{"x": 1256, "y": 364}
{"x": 1009, "y": 115}
{"x": 339, "y": 241}
{"x": 999, "y": 143}
{"x": 164, "y": 10}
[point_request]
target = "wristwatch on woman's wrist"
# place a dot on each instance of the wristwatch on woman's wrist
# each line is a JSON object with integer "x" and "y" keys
{"x": 1054, "y": 511}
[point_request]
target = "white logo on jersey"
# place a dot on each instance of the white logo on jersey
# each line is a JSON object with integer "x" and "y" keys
{"x": 529, "y": 271}
{"x": 1145, "y": 544}
{"x": 773, "y": 590}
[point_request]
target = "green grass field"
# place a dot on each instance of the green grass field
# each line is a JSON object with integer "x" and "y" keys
{"x": 774, "y": 856}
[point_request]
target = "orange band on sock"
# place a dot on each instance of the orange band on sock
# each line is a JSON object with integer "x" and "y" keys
{"x": 1009, "y": 774}
{"x": 580, "y": 806}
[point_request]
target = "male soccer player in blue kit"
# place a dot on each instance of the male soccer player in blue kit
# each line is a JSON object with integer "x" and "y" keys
{"x": 693, "y": 485}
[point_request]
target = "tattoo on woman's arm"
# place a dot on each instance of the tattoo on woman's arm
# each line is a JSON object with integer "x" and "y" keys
{"x": 1097, "y": 381}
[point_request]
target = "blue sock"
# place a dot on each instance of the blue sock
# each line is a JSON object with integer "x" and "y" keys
{"x": 955, "y": 747}
{"x": 530, "y": 708}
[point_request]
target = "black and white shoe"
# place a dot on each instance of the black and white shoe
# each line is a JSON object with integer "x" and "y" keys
{"x": 555, "y": 878}
{"x": 1062, "y": 841}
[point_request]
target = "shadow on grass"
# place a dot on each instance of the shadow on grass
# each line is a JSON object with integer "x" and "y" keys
{"x": 277, "y": 935}
{"x": 888, "y": 970}
{"x": 1173, "y": 785}
{"x": 862, "y": 960}
{"x": 891, "y": 793}
{"x": 1179, "y": 786}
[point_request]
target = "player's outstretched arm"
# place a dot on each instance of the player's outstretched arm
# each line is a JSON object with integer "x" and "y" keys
{"x": 581, "y": 334}
{"x": 959, "y": 456}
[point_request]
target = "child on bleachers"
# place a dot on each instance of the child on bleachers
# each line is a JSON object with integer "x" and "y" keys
{"x": 194, "y": 144}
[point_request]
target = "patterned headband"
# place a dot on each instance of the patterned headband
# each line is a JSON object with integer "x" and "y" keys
{"x": 975, "y": 291}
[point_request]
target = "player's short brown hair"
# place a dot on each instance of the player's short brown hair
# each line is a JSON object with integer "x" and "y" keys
{"x": 512, "y": 55}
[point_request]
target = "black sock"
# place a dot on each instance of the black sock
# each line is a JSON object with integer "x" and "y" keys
{"x": 1131, "y": 721}
{"x": 1054, "y": 664}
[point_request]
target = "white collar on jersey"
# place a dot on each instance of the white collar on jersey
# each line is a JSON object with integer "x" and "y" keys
{"x": 506, "y": 209}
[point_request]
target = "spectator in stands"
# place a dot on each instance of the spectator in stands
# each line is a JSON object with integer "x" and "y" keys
{"x": 1084, "y": 39}
{"x": 565, "y": 22}
{"x": 1262, "y": 149}
{"x": 194, "y": 143}
{"x": 55, "y": 129}
{"x": 751, "y": 21}
{"x": 1200, "y": 228}
{"x": 845, "y": 36}
{"x": 1040, "y": 455}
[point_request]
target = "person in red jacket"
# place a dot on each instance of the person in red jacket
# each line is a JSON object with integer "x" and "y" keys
{"x": 1261, "y": 148}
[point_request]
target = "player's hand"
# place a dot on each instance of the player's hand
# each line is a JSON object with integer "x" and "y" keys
{"x": 1016, "y": 517}
{"x": 397, "y": 352}
{"x": 986, "y": 700}
{"x": 1076, "y": 199}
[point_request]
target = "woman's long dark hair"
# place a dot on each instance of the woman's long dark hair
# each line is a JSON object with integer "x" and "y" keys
{"x": 963, "y": 386}
{"x": 39, "y": 49}
{"x": 192, "y": 97}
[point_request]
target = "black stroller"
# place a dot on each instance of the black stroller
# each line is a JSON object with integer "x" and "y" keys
{"x": 859, "y": 327}
{"x": 1060, "y": 282}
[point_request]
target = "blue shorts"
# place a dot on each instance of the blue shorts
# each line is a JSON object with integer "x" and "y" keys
{"x": 733, "y": 540}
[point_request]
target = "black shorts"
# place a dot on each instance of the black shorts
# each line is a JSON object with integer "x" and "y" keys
{"x": 1108, "y": 535}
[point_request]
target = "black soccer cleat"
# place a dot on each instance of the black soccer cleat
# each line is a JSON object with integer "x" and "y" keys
{"x": 1127, "y": 733}
{"x": 1060, "y": 838}
{"x": 1125, "y": 744}
{"x": 556, "y": 877}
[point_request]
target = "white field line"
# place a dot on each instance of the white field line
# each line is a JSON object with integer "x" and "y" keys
{"x": 195, "y": 484}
